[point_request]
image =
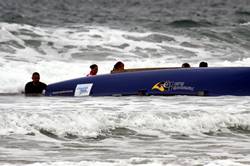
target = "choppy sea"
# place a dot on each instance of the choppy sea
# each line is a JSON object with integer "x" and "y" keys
{"x": 60, "y": 39}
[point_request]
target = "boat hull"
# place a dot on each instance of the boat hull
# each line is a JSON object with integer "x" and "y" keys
{"x": 188, "y": 81}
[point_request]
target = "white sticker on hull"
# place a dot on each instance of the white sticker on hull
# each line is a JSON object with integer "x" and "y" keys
{"x": 83, "y": 89}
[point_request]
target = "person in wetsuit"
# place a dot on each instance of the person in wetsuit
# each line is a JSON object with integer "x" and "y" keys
{"x": 203, "y": 64}
{"x": 118, "y": 67}
{"x": 35, "y": 87}
{"x": 185, "y": 65}
{"x": 93, "y": 71}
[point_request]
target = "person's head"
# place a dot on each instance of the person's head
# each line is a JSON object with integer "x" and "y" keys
{"x": 185, "y": 65}
{"x": 35, "y": 77}
{"x": 94, "y": 69}
{"x": 119, "y": 66}
{"x": 203, "y": 64}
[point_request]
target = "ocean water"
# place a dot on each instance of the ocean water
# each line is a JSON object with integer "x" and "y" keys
{"x": 61, "y": 39}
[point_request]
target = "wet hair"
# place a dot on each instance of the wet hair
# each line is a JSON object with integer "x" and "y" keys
{"x": 118, "y": 64}
{"x": 35, "y": 73}
{"x": 203, "y": 64}
{"x": 93, "y": 66}
{"x": 185, "y": 65}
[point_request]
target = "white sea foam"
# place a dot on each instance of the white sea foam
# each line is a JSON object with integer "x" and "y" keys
{"x": 77, "y": 119}
{"x": 225, "y": 163}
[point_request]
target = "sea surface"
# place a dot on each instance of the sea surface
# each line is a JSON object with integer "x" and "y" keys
{"x": 60, "y": 39}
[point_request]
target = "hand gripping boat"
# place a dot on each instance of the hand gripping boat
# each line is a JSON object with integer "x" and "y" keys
{"x": 162, "y": 81}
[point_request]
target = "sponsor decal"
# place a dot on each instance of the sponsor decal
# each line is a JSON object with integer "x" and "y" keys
{"x": 83, "y": 89}
{"x": 171, "y": 85}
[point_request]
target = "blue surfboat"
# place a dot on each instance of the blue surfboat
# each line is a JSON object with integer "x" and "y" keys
{"x": 159, "y": 81}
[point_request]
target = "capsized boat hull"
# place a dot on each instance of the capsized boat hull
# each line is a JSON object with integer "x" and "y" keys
{"x": 181, "y": 81}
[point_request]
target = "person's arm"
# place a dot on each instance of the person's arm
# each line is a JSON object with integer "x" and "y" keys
{"x": 45, "y": 86}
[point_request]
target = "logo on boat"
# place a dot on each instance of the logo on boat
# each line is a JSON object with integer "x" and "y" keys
{"x": 171, "y": 85}
{"x": 83, "y": 89}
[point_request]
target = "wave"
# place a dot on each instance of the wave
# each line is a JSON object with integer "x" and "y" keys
{"x": 133, "y": 161}
{"x": 155, "y": 38}
{"x": 12, "y": 17}
{"x": 243, "y": 13}
{"x": 117, "y": 132}
{"x": 190, "y": 24}
{"x": 242, "y": 129}
{"x": 96, "y": 125}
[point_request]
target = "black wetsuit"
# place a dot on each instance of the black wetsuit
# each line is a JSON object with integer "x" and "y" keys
{"x": 30, "y": 88}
